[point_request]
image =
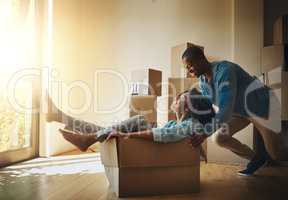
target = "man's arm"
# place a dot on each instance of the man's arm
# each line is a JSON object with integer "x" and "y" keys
{"x": 226, "y": 88}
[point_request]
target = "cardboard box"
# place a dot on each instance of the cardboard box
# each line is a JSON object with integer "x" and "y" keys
{"x": 176, "y": 86}
{"x": 144, "y": 105}
{"x": 136, "y": 167}
{"x": 284, "y": 100}
{"x": 277, "y": 79}
{"x": 278, "y": 31}
{"x": 272, "y": 57}
{"x": 177, "y": 67}
{"x": 146, "y": 82}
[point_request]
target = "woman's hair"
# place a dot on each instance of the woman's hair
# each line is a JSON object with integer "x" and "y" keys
{"x": 199, "y": 107}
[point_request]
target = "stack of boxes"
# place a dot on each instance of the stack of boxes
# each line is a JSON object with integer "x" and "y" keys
{"x": 137, "y": 167}
{"x": 146, "y": 86}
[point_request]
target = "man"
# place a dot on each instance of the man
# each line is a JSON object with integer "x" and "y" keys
{"x": 241, "y": 99}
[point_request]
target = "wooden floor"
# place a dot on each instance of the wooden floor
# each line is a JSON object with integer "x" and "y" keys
{"x": 81, "y": 177}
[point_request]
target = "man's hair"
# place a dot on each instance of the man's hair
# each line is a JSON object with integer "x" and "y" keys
{"x": 193, "y": 53}
{"x": 200, "y": 107}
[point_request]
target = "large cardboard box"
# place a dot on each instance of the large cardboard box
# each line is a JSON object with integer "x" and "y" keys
{"x": 272, "y": 57}
{"x": 278, "y": 31}
{"x": 177, "y": 67}
{"x": 277, "y": 79}
{"x": 136, "y": 167}
{"x": 146, "y": 82}
{"x": 144, "y": 105}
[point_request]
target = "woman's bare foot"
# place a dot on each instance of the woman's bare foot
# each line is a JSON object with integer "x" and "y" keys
{"x": 81, "y": 141}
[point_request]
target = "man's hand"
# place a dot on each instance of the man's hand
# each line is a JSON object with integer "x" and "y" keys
{"x": 196, "y": 140}
{"x": 117, "y": 134}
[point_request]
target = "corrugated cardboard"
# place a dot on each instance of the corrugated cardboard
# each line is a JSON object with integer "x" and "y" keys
{"x": 137, "y": 167}
{"x": 284, "y": 100}
{"x": 272, "y": 57}
{"x": 147, "y": 82}
{"x": 144, "y": 105}
{"x": 278, "y": 31}
{"x": 277, "y": 79}
{"x": 177, "y": 67}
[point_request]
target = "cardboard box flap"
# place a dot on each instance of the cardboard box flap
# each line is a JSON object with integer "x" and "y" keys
{"x": 146, "y": 82}
{"x": 144, "y": 105}
{"x": 155, "y": 82}
{"x": 142, "y": 153}
{"x": 109, "y": 154}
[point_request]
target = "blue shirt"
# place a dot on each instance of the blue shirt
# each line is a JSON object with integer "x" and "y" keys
{"x": 235, "y": 92}
{"x": 175, "y": 132}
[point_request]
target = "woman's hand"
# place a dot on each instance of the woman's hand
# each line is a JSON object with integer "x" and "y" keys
{"x": 196, "y": 140}
{"x": 117, "y": 134}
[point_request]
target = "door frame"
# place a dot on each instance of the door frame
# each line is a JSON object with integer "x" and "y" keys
{"x": 13, "y": 156}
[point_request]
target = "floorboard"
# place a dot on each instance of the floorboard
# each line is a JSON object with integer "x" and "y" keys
{"x": 75, "y": 177}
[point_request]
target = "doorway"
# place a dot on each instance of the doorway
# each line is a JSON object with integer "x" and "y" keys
{"x": 18, "y": 92}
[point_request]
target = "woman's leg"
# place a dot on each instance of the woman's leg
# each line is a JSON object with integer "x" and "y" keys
{"x": 133, "y": 124}
{"x": 83, "y": 141}
{"x": 73, "y": 124}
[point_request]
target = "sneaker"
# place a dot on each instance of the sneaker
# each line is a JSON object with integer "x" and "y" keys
{"x": 253, "y": 166}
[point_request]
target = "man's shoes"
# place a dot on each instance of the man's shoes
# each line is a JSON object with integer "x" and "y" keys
{"x": 253, "y": 166}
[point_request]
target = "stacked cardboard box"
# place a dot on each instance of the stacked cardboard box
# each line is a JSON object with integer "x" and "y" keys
{"x": 146, "y": 86}
{"x": 144, "y": 105}
{"x": 146, "y": 82}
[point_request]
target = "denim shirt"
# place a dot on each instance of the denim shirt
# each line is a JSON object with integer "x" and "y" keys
{"x": 235, "y": 92}
{"x": 175, "y": 132}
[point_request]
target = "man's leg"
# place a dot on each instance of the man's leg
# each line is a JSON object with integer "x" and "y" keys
{"x": 224, "y": 138}
{"x": 275, "y": 143}
{"x": 275, "y": 136}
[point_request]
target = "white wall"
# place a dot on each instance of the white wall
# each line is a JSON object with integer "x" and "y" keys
{"x": 124, "y": 35}
{"x": 247, "y": 29}
{"x": 65, "y": 66}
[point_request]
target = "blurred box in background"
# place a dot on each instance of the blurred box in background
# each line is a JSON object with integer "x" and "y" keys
{"x": 146, "y": 82}
{"x": 144, "y": 105}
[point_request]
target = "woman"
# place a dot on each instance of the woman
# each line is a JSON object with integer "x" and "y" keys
{"x": 193, "y": 113}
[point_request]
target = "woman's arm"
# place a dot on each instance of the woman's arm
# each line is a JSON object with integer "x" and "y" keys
{"x": 147, "y": 135}
{"x": 174, "y": 133}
